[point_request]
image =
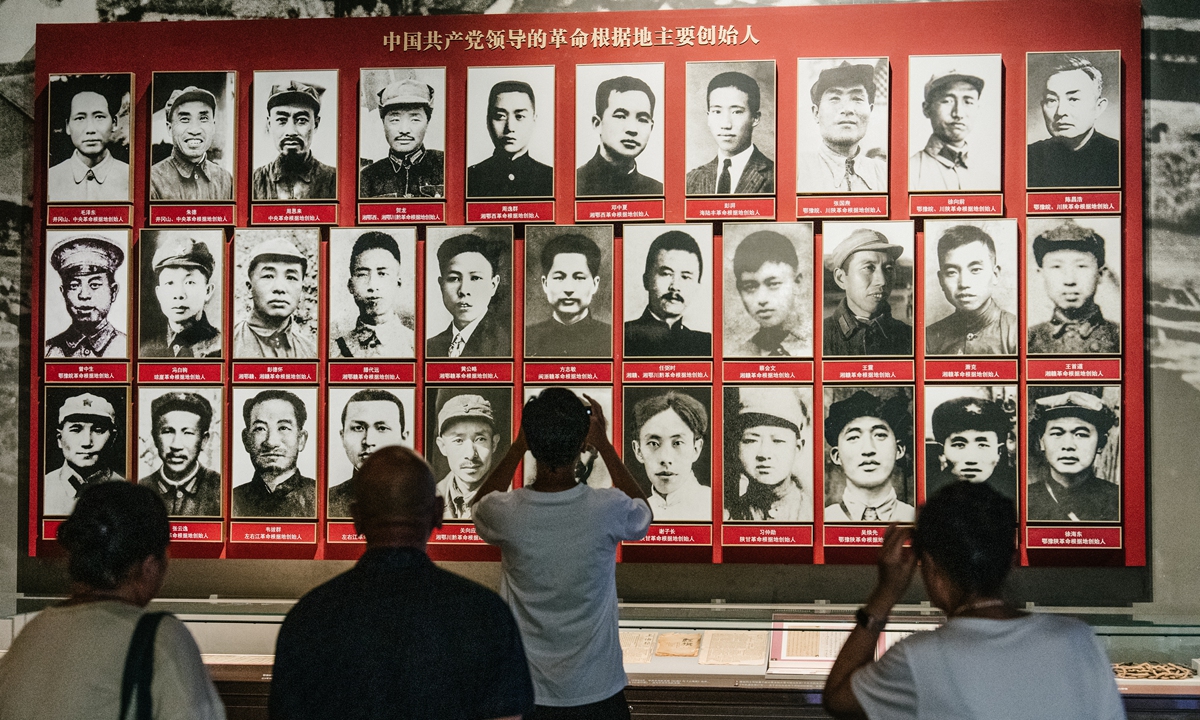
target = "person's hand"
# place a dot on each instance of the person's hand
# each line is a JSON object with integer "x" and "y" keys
{"x": 598, "y": 429}
{"x": 896, "y": 563}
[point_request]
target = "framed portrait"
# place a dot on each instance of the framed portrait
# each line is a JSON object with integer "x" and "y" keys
{"x": 668, "y": 290}
{"x": 373, "y": 292}
{"x": 510, "y": 131}
{"x": 768, "y": 290}
{"x": 868, "y": 273}
{"x": 181, "y": 312}
{"x": 668, "y": 449}
{"x": 842, "y": 116}
{"x": 619, "y": 144}
{"x": 869, "y": 455}
{"x": 971, "y": 287}
{"x": 467, "y": 431}
{"x": 590, "y": 467}
{"x": 362, "y": 420}
{"x": 85, "y": 441}
{"x": 89, "y": 148}
{"x": 730, "y": 128}
{"x": 568, "y": 291}
{"x": 274, "y": 452}
{"x": 768, "y": 454}
{"x": 955, "y": 104}
{"x": 276, "y": 292}
{"x": 402, "y": 133}
{"x": 295, "y": 144}
{"x": 971, "y": 435}
{"x": 86, "y": 294}
{"x": 180, "y": 441}
{"x": 193, "y": 136}
{"x": 468, "y": 296}
{"x": 1073, "y": 285}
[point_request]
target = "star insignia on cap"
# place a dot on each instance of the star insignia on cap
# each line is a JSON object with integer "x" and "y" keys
{"x": 973, "y": 408}
{"x": 87, "y": 402}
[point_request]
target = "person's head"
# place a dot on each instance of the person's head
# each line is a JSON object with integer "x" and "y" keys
{"x": 733, "y": 102}
{"x": 967, "y": 269}
{"x": 179, "y": 423}
{"x": 1071, "y": 429}
{"x": 86, "y": 266}
{"x": 973, "y": 433}
{"x": 624, "y": 116}
{"x": 772, "y": 422}
{"x": 87, "y": 425}
{"x": 469, "y": 276}
{"x": 842, "y": 100}
{"x": 183, "y": 268}
{"x": 669, "y": 432}
{"x": 867, "y": 434}
{"x": 371, "y": 419}
{"x": 394, "y": 499}
{"x": 767, "y": 271}
{"x": 192, "y": 120}
{"x": 116, "y": 539}
{"x": 375, "y": 275}
{"x": 965, "y": 541}
{"x": 1070, "y": 258}
{"x": 511, "y": 116}
{"x": 467, "y": 438}
{"x": 405, "y": 107}
{"x": 274, "y": 435}
{"x": 293, "y": 115}
{"x": 1073, "y": 98}
{"x": 556, "y": 424}
{"x": 570, "y": 273}
{"x": 864, "y": 265}
{"x": 92, "y": 123}
{"x": 276, "y": 272}
{"x": 950, "y": 101}
{"x": 674, "y": 267}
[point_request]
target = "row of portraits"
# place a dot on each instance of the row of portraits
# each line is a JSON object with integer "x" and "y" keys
{"x": 866, "y": 438}
{"x": 1073, "y": 103}
{"x": 969, "y": 286}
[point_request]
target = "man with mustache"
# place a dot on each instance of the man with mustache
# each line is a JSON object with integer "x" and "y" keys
{"x": 1070, "y": 259}
{"x": 674, "y": 266}
{"x": 624, "y": 120}
{"x": 371, "y": 419}
{"x": 740, "y": 168}
{"x": 867, "y": 437}
{"x": 843, "y": 99}
{"x": 188, "y": 174}
{"x": 410, "y": 169}
{"x": 293, "y": 115}
{"x": 510, "y": 171}
{"x": 951, "y": 100}
{"x": 375, "y": 285}
{"x": 1076, "y": 155}
{"x": 570, "y": 279}
{"x": 179, "y": 425}
{"x": 767, "y": 271}
{"x": 864, "y": 266}
{"x": 86, "y": 267}
{"x": 467, "y": 438}
{"x": 91, "y": 174}
{"x": 274, "y": 437}
{"x": 86, "y": 435}
{"x": 183, "y": 287}
{"x": 968, "y": 273}
{"x": 973, "y": 434}
{"x": 670, "y": 431}
{"x": 1072, "y": 428}
{"x": 469, "y": 278}
{"x": 276, "y": 279}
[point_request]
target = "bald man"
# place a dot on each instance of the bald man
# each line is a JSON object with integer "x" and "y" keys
{"x": 396, "y": 636}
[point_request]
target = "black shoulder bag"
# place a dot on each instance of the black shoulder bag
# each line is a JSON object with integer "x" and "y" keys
{"x": 139, "y": 667}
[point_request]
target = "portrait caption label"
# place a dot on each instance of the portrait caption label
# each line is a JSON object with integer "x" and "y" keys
{"x": 854, "y": 536}
{"x": 170, "y": 372}
{"x": 343, "y": 532}
{"x": 767, "y": 372}
{"x": 456, "y": 535}
{"x": 275, "y": 372}
{"x": 89, "y": 373}
{"x": 653, "y": 372}
{"x": 855, "y": 370}
{"x": 468, "y": 372}
{"x": 677, "y": 535}
{"x": 293, "y": 214}
{"x": 373, "y": 372}
{"x": 1107, "y": 369}
{"x": 62, "y": 215}
{"x": 1074, "y": 203}
{"x": 1102, "y": 538}
{"x": 568, "y": 372}
{"x": 250, "y": 532}
{"x": 373, "y": 213}
{"x": 618, "y": 210}
{"x": 741, "y": 209}
{"x": 184, "y": 531}
{"x": 760, "y": 535}
{"x": 183, "y": 215}
{"x": 510, "y": 212}
{"x": 955, "y": 205}
{"x": 970, "y": 369}
{"x": 838, "y": 206}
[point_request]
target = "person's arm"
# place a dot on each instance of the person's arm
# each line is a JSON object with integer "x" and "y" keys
{"x": 501, "y": 477}
{"x": 597, "y": 437}
{"x": 896, "y": 565}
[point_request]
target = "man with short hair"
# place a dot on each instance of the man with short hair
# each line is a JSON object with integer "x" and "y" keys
{"x": 293, "y": 115}
{"x": 570, "y": 278}
{"x": 188, "y": 174}
{"x": 274, "y": 437}
{"x": 945, "y": 163}
{"x": 674, "y": 267}
{"x": 1070, "y": 259}
{"x": 864, "y": 266}
{"x": 276, "y": 279}
{"x": 1076, "y": 155}
{"x": 767, "y": 274}
{"x": 183, "y": 268}
{"x": 375, "y": 285}
{"x": 179, "y": 424}
{"x": 86, "y": 431}
{"x": 740, "y": 168}
{"x": 968, "y": 273}
{"x": 410, "y": 169}
{"x": 397, "y": 637}
{"x": 510, "y": 171}
{"x": 867, "y": 436}
{"x": 467, "y": 438}
{"x": 91, "y": 174}
{"x": 624, "y": 120}
{"x": 669, "y": 432}
{"x": 86, "y": 267}
{"x": 1072, "y": 429}
{"x": 371, "y": 419}
{"x": 973, "y": 434}
{"x": 469, "y": 276}
{"x": 769, "y": 432}
{"x": 843, "y": 99}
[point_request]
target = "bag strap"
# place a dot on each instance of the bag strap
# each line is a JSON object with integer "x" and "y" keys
{"x": 139, "y": 666}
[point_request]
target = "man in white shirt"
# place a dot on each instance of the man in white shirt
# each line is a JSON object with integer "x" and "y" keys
{"x": 469, "y": 276}
{"x": 669, "y": 432}
{"x": 91, "y": 174}
{"x": 945, "y": 163}
{"x": 740, "y": 168}
{"x": 375, "y": 285}
{"x": 843, "y": 99}
{"x": 868, "y": 436}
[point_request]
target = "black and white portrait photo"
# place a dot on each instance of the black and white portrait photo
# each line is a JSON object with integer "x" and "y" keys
{"x": 85, "y": 442}
{"x": 470, "y": 270}
{"x": 89, "y": 140}
{"x": 768, "y": 454}
{"x": 867, "y": 296}
{"x": 275, "y": 293}
{"x": 971, "y": 287}
{"x": 295, "y": 135}
{"x": 1073, "y": 119}
{"x": 372, "y": 292}
{"x": 362, "y": 420}
{"x": 731, "y": 128}
{"x": 1074, "y": 459}
{"x": 568, "y": 291}
{"x": 869, "y": 455}
{"x": 274, "y": 452}
{"x": 182, "y": 302}
{"x": 467, "y": 431}
{"x": 1073, "y": 285}
{"x": 590, "y": 467}
{"x": 510, "y": 132}
{"x": 402, "y": 133}
{"x": 179, "y": 447}
{"x": 842, "y": 125}
{"x": 971, "y": 436}
{"x": 667, "y": 449}
{"x": 618, "y": 130}
{"x": 954, "y": 121}
{"x": 86, "y": 297}
{"x": 193, "y": 146}
{"x": 768, "y": 290}
{"x": 668, "y": 290}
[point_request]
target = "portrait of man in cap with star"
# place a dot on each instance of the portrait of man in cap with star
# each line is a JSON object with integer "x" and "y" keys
{"x": 510, "y": 154}
{"x": 87, "y": 308}
{"x": 183, "y": 315}
{"x": 868, "y": 292}
{"x": 193, "y": 136}
{"x": 179, "y": 437}
{"x": 768, "y": 289}
{"x": 868, "y": 455}
{"x": 403, "y": 133}
{"x": 467, "y": 431}
{"x": 954, "y": 123}
{"x": 1074, "y": 454}
{"x": 1074, "y": 119}
{"x": 842, "y": 138}
{"x": 372, "y": 292}
{"x": 275, "y": 293}
{"x": 85, "y": 441}
{"x": 971, "y": 436}
{"x": 275, "y": 464}
{"x": 768, "y": 454}
{"x": 295, "y": 153}
{"x": 89, "y": 152}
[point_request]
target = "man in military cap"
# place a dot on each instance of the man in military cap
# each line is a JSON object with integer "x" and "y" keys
{"x": 868, "y": 436}
{"x": 371, "y": 419}
{"x": 973, "y": 434}
{"x": 375, "y": 286}
{"x": 87, "y": 436}
{"x": 1075, "y": 155}
{"x": 623, "y": 121}
{"x": 864, "y": 266}
{"x": 674, "y": 266}
{"x": 768, "y": 276}
{"x": 91, "y": 174}
{"x": 1070, "y": 259}
{"x": 510, "y": 171}
{"x": 86, "y": 267}
{"x": 732, "y": 105}
{"x": 570, "y": 278}
{"x": 467, "y": 438}
{"x": 276, "y": 274}
{"x": 1072, "y": 428}
{"x": 410, "y": 169}
{"x": 767, "y": 482}
{"x": 469, "y": 276}
{"x": 188, "y": 174}
{"x": 968, "y": 274}
{"x": 669, "y": 433}
{"x": 183, "y": 286}
{"x": 945, "y": 163}
{"x": 180, "y": 425}
{"x": 293, "y": 115}
{"x": 274, "y": 437}
{"x": 843, "y": 99}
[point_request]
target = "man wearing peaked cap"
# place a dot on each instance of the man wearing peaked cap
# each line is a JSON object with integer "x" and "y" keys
{"x": 843, "y": 99}
{"x": 945, "y": 163}
{"x": 1072, "y": 428}
{"x": 183, "y": 285}
{"x": 188, "y": 174}
{"x": 87, "y": 267}
{"x": 293, "y": 115}
{"x": 467, "y": 438}
{"x": 86, "y": 434}
{"x": 1070, "y": 258}
{"x": 868, "y": 436}
{"x": 864, "y": 266}
{"x": 770, "y": 433}
{"x": 410, "y": 169}
{"x": 973, "y": 433}
{"x": 276, "y": 273}
{"x": 179, "y": 424}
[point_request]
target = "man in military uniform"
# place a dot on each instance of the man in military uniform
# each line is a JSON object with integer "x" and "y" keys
{"x": 868, "y": 436}
{"x": 1071, "y": 429}
{"x": 274, "y": 437}
{"x": 87, "y": 436}
{"x": 945, "y": 163}
{"x": 769, "y": 430}
{"x": 467, "y": 438}
{"x": 183, "y": 269}
{"x": 510, "y": 171}
{"x": 87, "y": 267}
{"x": 768, "y": 274}
{"x": 843, "y": 99}
{"x": 91, "y": 174}
{"x": 570, "y": 278}
{"x": 179, "y": 425}
{"x": 864, "y": 266}
{"x": 188, "y": 174}
{"x": 1075, "y": 155}
{"x": 674, "y": 267}
{"x": 293, "y": 115}
{"x": 973, "y": 434}
{"x": 968, "y": 273}
{"x": 624, "y": 120}
{"x": 371, "y": 419}
{"x": 1070, "y": 259}
{"x": 276, "y": 272}
{"x": 732, "y": 107}
{"x": 410, "y": 169}
{"x": 375, "y": 285}
{"x": 468, "y": 267}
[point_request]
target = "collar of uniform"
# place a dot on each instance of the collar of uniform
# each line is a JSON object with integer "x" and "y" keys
{"x": 1090, "y": 134}
{"x": 199, "y": 330}
{"x": 79, "y": 481}
{"x": 583, "y": 316}
{"x": 187, "y": 486}
{"x": 974, "y": 322}
{"x": 836, "y": 159}
{"x": 649, "y": 316}
{"x": 306, "y": 168}
{"x": 502, "y": 157}
{"x": 408, "y": 160}
{"x": 454, "y": 491}
{"x": 1062, "y": 494}
{"x": 759, "y": 496}
{"x": 186, "y": 168}
{"x": 848, "y": 324}
{"x": 99, "y": 171}
{"x": 856, "y": 501}
{"x": 95, "y": 342}
{"x": 365, "y": 335}
{"x": 285, "y": 487}
{"x": 934, "y": 148}
{"x": 608, "y": 168}
{"x": 691, "y": 484}
{"x": 281, "y": 334}
{"x": 1089, "y": 320}
{"x": 781, "y": 337}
